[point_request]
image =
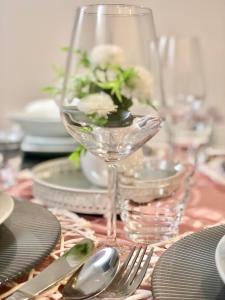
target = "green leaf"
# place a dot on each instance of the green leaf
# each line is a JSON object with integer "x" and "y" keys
{"x": 83, "y": 58}
{"x": 65, "y": 49}
{"x": 106, "y": 85}
{"x": 51, "y": 90}
{"x": 75, "y": 156}
{"x": 60, "y": 72}
{"x": 97, "y": 120}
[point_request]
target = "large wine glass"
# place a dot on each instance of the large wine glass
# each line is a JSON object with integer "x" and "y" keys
{"x": 112, "y": 86}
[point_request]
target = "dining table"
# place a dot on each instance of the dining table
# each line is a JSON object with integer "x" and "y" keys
{"x": 206, "y": 207}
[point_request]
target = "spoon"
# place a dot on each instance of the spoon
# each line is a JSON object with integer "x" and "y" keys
{"x": 94, "y": 277}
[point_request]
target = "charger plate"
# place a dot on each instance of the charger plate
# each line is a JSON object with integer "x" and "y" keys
{"x": 26, "y": 237}
{"x": 187, "y": 270}
{"x": 58, "y": 183}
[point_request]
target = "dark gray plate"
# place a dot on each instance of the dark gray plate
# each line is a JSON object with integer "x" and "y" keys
{"x": 187, "y": 270}
{"x": 27, "y": 236}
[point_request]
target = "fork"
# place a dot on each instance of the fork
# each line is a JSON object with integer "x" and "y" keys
{"x": 130, "y": 275}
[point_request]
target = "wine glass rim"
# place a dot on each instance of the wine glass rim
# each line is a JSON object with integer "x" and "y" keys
{"x": 180, "y": 37}
{"x": 128, "y": 9}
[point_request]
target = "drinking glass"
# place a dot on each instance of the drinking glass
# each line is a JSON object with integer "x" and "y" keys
{"x": 112, "y": 64}
{"x": 182, "y": 71}
{"x": 153, "y": 201}
{"x": 10, "y": 156}
{"x": 184, "y": 91}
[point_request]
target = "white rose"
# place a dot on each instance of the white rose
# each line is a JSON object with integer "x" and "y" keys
{"x": 101, "y": 104}
{"x": 107, "y": 54}
{"x": 142, "y": 84}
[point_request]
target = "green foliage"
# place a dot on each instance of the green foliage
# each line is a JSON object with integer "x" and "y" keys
{"x": 83, "y": 58}
{"x": 52, "y": 91}
{"x": 90, "y": 79}
{"x": 99, "y": 121}
{"x": 75, "y": 156}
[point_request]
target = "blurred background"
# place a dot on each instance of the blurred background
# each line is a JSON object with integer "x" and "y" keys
{"x": 32, "y": 33}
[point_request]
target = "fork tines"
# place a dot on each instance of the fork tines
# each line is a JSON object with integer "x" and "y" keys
{"x": 134, "y": 268}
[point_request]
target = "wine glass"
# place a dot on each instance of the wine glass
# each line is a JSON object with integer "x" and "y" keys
{"x": 182, "y": 70}
{"x": 184, "y": 92}
{"x": 111, "y": 87}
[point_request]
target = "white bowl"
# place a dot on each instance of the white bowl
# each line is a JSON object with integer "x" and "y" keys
{"x": 39, "y": 126}
{"x": 94, "y": 169}
{"x": 220, "y": 258}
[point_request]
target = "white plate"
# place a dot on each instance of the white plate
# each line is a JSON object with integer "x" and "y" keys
{"x": 48, "y": 144}
{"x": 58, "y": 183}
{"x": 6, "y": 206}
{"x": 220, "y": 258}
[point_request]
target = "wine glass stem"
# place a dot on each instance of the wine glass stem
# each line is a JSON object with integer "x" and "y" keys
{"x": 112, "y": 203}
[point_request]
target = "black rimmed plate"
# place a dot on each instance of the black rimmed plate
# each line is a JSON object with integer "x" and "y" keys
{"x": 187, "y": 270}
{"x": 27, "y": 236}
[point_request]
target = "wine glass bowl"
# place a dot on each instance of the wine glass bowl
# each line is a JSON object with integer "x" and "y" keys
{"x": 111, "y": 143}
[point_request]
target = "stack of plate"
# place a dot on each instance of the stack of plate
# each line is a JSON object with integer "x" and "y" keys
{"x": 43, "y": 129}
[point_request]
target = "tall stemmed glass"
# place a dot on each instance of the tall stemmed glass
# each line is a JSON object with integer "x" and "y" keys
{"x": 184, "y": 91}
{"x": 182, "y": 70}
{"x": 111, "y": 85}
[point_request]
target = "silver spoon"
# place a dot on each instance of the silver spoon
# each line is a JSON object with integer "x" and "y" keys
{"x": 94, "y": 277}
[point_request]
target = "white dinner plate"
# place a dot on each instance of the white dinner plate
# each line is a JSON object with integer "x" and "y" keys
{"x": 6, "y": 206}
{"x": 220, "y": 258}
{"x": 43, "y": 144}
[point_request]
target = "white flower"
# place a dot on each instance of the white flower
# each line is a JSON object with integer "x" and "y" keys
{"x": 142, "y": 84}
{"x": 101, "y": 104}
{"x": 107, "y": 54}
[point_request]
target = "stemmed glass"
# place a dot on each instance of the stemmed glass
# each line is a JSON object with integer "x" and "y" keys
{"x": 184, "y": 92}
{"x": 182, "y": 70}
{"x": 111, "y": 87}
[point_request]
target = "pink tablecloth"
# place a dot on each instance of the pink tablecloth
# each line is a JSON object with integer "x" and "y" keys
{"x": 206, "y": 205}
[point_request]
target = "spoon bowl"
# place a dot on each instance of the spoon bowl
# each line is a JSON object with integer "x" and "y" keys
{"x": 94, "y": 277}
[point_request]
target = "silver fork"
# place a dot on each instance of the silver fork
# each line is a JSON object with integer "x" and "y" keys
{"x": 130, "y": 275}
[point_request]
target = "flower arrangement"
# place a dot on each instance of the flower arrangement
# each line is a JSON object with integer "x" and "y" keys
{"x": 105, "y": 88}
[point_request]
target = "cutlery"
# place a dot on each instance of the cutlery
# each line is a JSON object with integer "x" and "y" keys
{"x": 130, "y": 275}
{"x": 67, "y": 264}
{"x": 126, "y": 281}
{"x": 94, "y": 277}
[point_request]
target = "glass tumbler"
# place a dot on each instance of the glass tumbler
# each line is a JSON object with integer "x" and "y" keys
{"x": 10, "y": 157}
{"x": 147, "y": 219}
